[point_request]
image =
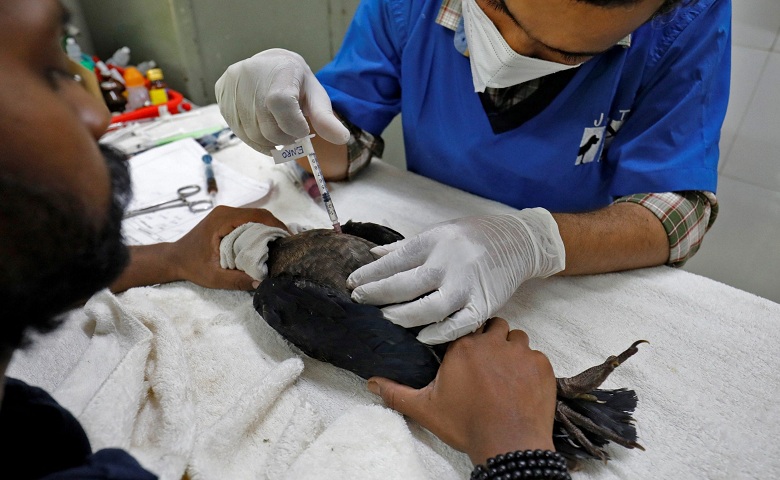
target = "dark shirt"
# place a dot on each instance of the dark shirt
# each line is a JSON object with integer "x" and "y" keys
{"x": 41, "y": 439}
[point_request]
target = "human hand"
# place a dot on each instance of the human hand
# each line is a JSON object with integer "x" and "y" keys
{"x": 492, "y": 395}
{"x": 459, "y": 273}
{"x": 196, "y": 256}
{"x": 265, "y": 100}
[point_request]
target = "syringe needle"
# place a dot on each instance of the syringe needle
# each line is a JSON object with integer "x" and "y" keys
{"x": 315, "y": 169}
{"x": 302, "y": 147}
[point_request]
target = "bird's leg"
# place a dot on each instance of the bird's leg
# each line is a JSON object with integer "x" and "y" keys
{"x": 580, "y": 386}
{"x": 588, "y": 424}
{"x": 575, "y": 432}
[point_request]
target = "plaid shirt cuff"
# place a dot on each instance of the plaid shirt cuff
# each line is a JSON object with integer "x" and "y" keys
{"x": 361, "y": 148}
{"x": 686, "y": 217}
{"x": 449, "y": 14}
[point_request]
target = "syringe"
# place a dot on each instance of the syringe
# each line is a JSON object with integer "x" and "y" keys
{"x": 303, "y": 147}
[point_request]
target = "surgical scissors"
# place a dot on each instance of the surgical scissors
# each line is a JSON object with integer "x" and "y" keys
{"x": 183, "y": 192}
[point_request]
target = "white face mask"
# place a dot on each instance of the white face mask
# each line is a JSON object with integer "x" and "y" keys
{"x": 493, "y": 62}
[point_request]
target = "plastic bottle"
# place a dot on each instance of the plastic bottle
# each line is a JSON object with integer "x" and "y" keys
{"x": 112, "y": 94}
{"x": 120, "y": 58}
{"x": 74, "y": 52}
{"x": 145, "y": 66}
{"x": 73, "y": 49}
{"x": 158, "y": 90}
{"x": 104, "y": 73}
{"x": 137, "y": 94}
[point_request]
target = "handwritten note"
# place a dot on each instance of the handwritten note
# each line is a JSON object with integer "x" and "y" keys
{"x": 158, "y": 173}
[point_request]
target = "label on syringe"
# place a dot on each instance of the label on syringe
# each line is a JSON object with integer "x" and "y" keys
{"x": 303, "y": 148}
{"x": 286, "y": 153}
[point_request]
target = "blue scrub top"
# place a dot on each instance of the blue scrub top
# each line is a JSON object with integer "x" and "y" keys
{"x": 632, "y": 120}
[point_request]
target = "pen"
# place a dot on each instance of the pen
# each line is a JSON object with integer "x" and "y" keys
{"x": 211, "y": 182}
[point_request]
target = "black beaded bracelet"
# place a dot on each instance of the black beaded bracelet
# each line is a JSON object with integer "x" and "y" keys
{"x": 529, "y": 464}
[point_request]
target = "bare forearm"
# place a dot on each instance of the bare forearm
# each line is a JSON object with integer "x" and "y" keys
{"x": 149, "y": 265}
{"x": 620, "y": 237}
{"x": 194, "y": 257}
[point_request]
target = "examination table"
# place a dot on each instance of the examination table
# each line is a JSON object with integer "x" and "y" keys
{"x": 193, "y": 381}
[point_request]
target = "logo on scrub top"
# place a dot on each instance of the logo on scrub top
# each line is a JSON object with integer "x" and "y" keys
{"x": 598, "y": 138}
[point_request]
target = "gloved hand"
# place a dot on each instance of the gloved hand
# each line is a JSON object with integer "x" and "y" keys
{"x": 466, "y": 268}
{"x": 266, "y": 98}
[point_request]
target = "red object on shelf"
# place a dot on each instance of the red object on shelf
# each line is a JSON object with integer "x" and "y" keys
{"x": 176, "y": 104}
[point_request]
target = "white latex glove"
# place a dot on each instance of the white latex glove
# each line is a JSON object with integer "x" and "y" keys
{"x": 466, "y": 268}
{"x": 265, "y": 100}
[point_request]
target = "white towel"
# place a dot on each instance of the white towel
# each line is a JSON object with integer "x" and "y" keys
{"x": 146, "y": 360}
{"x": 242, "y": 443}
{"x": 366, "y": 442}
{"x": 129, "y": 387}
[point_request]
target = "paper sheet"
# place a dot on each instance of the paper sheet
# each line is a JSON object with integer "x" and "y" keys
{"x": 158, "y": 173}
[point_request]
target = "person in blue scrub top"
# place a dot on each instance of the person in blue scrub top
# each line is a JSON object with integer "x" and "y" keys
{"x": 598, "y": 120}
{"x": 60, "y": 241}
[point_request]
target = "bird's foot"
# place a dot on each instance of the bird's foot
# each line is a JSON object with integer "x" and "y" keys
{"x": 581, "y": 385}
{"x": 587, "y": 418}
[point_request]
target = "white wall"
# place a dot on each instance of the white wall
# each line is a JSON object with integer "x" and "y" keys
{"x": 743, "y": 247}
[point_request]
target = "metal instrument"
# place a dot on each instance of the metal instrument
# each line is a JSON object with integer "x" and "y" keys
{"x": 195, "y": 206}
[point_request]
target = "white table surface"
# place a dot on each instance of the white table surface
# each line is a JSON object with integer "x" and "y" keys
{"x": 706, "y": 383}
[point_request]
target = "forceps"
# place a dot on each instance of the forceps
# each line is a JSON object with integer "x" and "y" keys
{"x": 183, "y": 192}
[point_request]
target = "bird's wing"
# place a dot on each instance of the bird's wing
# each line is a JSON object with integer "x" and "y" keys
{"x": 325, "y": 324}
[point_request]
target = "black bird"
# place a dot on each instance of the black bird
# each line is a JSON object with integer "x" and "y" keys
{"x": 305, "y": 298}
